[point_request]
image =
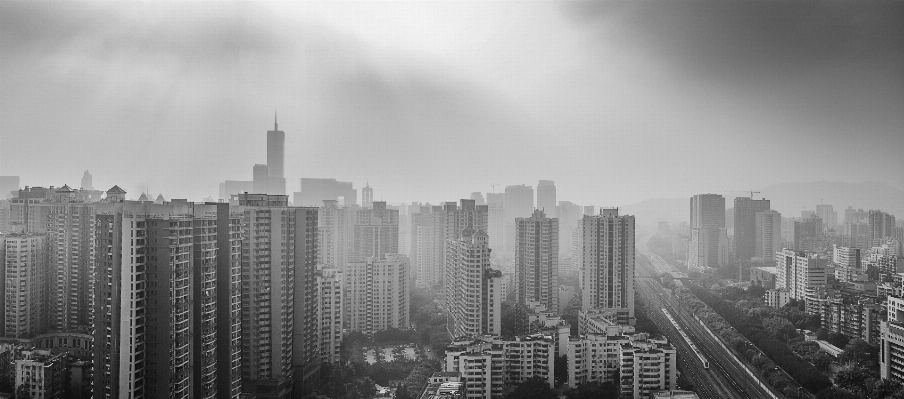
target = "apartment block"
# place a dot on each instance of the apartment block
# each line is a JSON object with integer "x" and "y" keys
{"x": 768, "y": 235}
{"x": 23, "y": 263}
{"x": 798, "y": 271}
{"x": 745, "y": 210}
{"x": 607, "y": 270}
{"x": 378, "y": 294}
{"x": 330, "y": 282}
{"x": 473, "y": 291}
{"x": 537, "y": 260}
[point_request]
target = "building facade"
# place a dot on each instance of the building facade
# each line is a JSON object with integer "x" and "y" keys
{"x": 607, "y": 270}
{"x": 768, "y": 235}
{"x": 473, "y": 291}
{"x": 537, "y": 260}
{"x": 378, "y": 294}
{"x": 745, "y": 210}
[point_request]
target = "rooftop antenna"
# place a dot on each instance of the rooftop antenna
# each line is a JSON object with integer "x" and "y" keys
{"x": 494, "y": 186}
{"x": 275, "y": 124}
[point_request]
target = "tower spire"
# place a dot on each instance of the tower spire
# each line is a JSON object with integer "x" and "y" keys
{"x": 275, "y": 124}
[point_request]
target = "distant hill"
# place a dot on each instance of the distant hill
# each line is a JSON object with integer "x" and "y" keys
{"x": 787, "y": 198}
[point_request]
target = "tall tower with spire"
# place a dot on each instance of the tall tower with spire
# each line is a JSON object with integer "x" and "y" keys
{"x": 276, "y": 154}
{"x": 367, "y": 196}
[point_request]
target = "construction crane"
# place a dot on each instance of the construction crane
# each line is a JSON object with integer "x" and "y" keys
{"x": 494, "y": 186}
{"x": 750, "y": 191}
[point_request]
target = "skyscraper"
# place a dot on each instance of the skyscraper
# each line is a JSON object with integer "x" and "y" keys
{"x": 519, "y": 203}
{"x": 276, "y": 154}
{"x": 152, "y": 271}
{"x": 456, "y": 218}
{"x": 376, "y": 232}
{"x": 708, "y": 246}
{"x": 337, "y": 233}
{"x": 23, "y": 263}
{"x": 473, "y": 290}
{"x": 228, "y": 298}
{"x": 569, "y": 214}
{"x": 768, "y": 235}
{"x": 331, "y": 303}
{"x": 367, "y": 196}
{"x": 881, "y": 225}
{"x": 496, "y": 220}
{"x": 87, "y": 181}
{"x": 427, "y": 246}
{"x": 828, "y": 215}
{"x": 607, "y": 272}
{"x": 546, "y": 196}
{"x": 745, "y": 209}
{"x": 537, "y": 260}
{"x": 378, "y": 294}
{"x": 279, "y": 304}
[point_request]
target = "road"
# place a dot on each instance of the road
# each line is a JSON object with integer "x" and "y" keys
{"x": 725, "y": 378}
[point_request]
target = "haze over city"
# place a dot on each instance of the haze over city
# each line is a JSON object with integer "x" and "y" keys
{"x": 430, "y": 101}
{"x": 452, "y": 200}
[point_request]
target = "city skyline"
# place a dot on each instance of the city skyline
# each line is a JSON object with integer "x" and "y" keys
{"x": 601, "y": 74}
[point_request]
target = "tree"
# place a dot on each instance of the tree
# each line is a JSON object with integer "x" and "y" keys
{"x": 860, "y": 352}
{"x": 515, "y": 320}
{"x": 22, "y": 392}
{"x": 533, "y": 388}
{"x": 835, "y": 393}
{"x": 880, "y": 389}
{"x": 853, "y": 377}
{"x": 838, "y": 339}
{"x": 593, "y": 390}
{"x": 822, "y": 360}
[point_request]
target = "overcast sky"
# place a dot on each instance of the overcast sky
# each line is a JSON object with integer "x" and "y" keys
{"x": 614, "y": 101}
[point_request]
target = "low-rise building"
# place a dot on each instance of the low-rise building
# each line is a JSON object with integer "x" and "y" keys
{"x": 41, "y": 373}
{"x": 763, "y": 276}
{"x": 777, "y": 298}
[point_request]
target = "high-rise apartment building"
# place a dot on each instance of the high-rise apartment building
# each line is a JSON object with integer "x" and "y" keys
{"x": 537, "y": 260}
{"x": 768, "y": 235}
{"x": 378, "y": 294}
{"x": 828, "y": 215}
{"x": 798, "y": 271}
{"x": 367, "y": 196}
{"x": 569, "y": 214}
{"x": 891, "y": 344}
{"x": 276, "y": 155}
{"x": 376, "y": 232}
{"x": 546, "y": 196}
{"x": 23, "y": 263}
{"x": 279, "y": 304}
{"x": 457, "y": 217}
{"x": 708, "y": 247}
{"x": 4, "y": 216}
{"x": 228, "y": 290}
{"x": 428, "y": 246}
{"x": 473, "y": 290}
{"x": 881, "y": 225}
{"x": 151, "y": 338}
{"x": 329, "y": 282}
{"x": 496, "y": 220}
{"x": 519, "y": 203}
{"x": 806, "y": 229}
{"x": 607, "y": 270}
{"x": 745, "y": 210}
{"x": 337, "y": 233}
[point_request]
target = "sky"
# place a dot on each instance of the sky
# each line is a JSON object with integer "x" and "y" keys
{"x": 616, "y": 102}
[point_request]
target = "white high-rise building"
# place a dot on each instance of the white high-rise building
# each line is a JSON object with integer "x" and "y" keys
{"x": 473, "y": 290}
{"x": 607, "y": 270}
{"x": 537, "y": 260}
{"x": 797, "y": 271}
{"x": 378, "y": 294}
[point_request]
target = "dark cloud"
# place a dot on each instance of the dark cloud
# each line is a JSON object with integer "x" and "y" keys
{"x": 143, "y": 31}
{"x": 752, "y": 39}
